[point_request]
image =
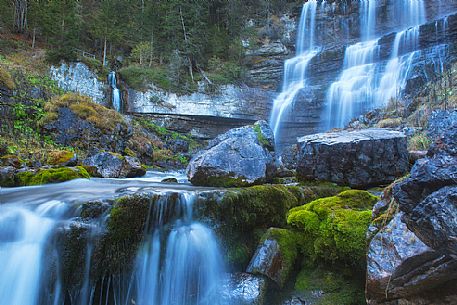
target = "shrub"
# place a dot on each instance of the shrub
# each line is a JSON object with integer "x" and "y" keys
{"x": 419, "y": 141}
{"x": 6, "y": 79}
{"x": 138, "y": 77}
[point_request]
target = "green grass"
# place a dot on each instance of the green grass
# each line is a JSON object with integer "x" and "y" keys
{"x": 138, "y": 77}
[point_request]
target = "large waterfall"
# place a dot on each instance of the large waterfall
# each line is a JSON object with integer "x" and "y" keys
{"x": 115, "y": 92}
{"x": 380, "y": 59}
{"x": 295, "y": 68}
{"x": 178, "y": 263}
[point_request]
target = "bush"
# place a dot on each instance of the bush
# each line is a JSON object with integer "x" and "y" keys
{"x": 420, "y": 141}
{"x": 139, "y": 78}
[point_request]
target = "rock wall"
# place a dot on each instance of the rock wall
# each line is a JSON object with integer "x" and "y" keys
{"x": 77, "y": 77}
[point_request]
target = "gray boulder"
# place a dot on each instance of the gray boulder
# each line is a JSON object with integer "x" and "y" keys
{"x": 7, "y": 176}
{"x": 239, "y": 157}
{"x": 109, "y": 165}
{"x": 400, "y": 268}
{"x": 360, "y": 158}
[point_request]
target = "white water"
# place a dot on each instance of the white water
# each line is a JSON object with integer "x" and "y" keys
{"x": 191, "y": 272}
{"x": 295, "y": 68}
{"x": 365, "y": 83}
{"x": 116, "y": 94}
{"x": 179, "y": 261}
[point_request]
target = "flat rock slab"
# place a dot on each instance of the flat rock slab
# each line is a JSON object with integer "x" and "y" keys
{"x": 359, "y": 158}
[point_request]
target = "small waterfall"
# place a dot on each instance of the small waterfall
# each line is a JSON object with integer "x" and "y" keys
{"x": 368, "y": 19}
{"x": 184, "y": 268}
{"x": 116, "y": 94}
{"x": 295, "y": 68}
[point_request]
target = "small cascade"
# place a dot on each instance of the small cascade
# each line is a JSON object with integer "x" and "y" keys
{"x": 178, "y": 265}
{"x": 368, "y": 19}
{"x": 295, "y": 68}
{"x": 351, "y": 92}
{"x": 115, "y": 92}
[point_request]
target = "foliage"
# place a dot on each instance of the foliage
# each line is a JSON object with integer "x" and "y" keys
{"x": 138, "y": 77}
{"x": 419, "y": 141}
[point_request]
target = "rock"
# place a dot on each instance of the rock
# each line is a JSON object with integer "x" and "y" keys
{"x": 434, "y": 219}
{"x": 244, "y": 289}
{"x": 294, "y": 301}
{"x": 360, "y": 158}
{"x": 170, "y": 180}
{"x": 77, "y": 77}
{"x": 271, "y": 258}
{"x": 11, "y": 160}
{"x": 400, "y": 267}
{"x": 7, "y": 176}
{"x": 111, "y": 165}
{"x": 415, "y": 155}
{"x": 443, "y": 130}
{"x": 239, "y": 157}
{"x": 427, "y": 176}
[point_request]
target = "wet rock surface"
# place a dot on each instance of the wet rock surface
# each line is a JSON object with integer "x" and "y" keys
{"x": 110, "y": 165}
{"x": 241, "y": 156}
{"x": 413, "y": 260}
{"x": 356, "y": 158}
{"x": 245, "y": 289}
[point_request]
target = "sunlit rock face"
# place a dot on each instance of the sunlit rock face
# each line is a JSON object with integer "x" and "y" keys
{"x": 77, "y": 77}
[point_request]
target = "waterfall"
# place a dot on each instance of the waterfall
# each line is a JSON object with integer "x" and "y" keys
{"x": 177, "y": 263}
{"x": 186, "y": 269}
{"x": 116, "y": 94}
{"x": 365, "y": 83}
{"x": 367, "y": 19}
{"x": 24, "y": 233}
{"x": 295, "y": 68}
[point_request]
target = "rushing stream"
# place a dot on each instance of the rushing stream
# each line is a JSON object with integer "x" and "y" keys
{"x": 178, "y": 262}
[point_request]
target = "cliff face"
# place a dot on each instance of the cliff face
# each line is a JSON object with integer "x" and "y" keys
{"x": 271, "y": 41}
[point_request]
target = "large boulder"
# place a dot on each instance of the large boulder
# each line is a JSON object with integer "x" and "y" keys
{"x": 360, "y": 158}
{"x": 413, "y": 260}
{"x": 110, "y": 165}
{"x": 239, "y": 157}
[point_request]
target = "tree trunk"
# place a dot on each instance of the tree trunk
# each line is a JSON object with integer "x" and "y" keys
{"x": 33, "y": 38}
{"x": 104, "y": 53}
{"x": 20, "y": 15}
{"x": 187, "y": 45}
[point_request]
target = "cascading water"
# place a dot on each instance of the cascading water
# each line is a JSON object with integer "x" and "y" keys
{"x": 178, "y": 263}
{"x": 116, "y": 94}
{"x": 191, "y": 269}
{"x": 295, "y": 68}
{"x": 366, "y": 83}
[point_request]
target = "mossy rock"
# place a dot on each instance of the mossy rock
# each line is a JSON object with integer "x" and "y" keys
{"x": 61, "y": 157}
{"x": 51, "y": 175}
{"x": 276, "y": 255}
{"x": 11, "y": 160}
{"x": 125, "y": 230}
{"x": 334, "y": 228}
{"x": 337, "y": 285}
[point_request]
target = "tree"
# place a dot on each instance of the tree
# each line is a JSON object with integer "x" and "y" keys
{"x": 20, "y": 15}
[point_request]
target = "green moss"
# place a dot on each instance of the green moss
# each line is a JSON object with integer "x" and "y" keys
{"x": 121, "y": 241}
{"x": 51, "y": 175}
{"x": 287, "y": 241}
{"x": 260, "y": 137}
{"x": 335, "y": 226}
{"x": 339, "y": 286}
{"x": 310, "y": 191}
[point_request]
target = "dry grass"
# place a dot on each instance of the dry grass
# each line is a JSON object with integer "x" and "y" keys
{"x": 389, "y": 123}
{"x": 100, "y": 116}
{"x": 6, "y": 79}
{"x": 419, "y": 141}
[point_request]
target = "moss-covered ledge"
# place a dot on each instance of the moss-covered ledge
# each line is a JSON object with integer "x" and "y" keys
{"x": 50, "y": 175}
